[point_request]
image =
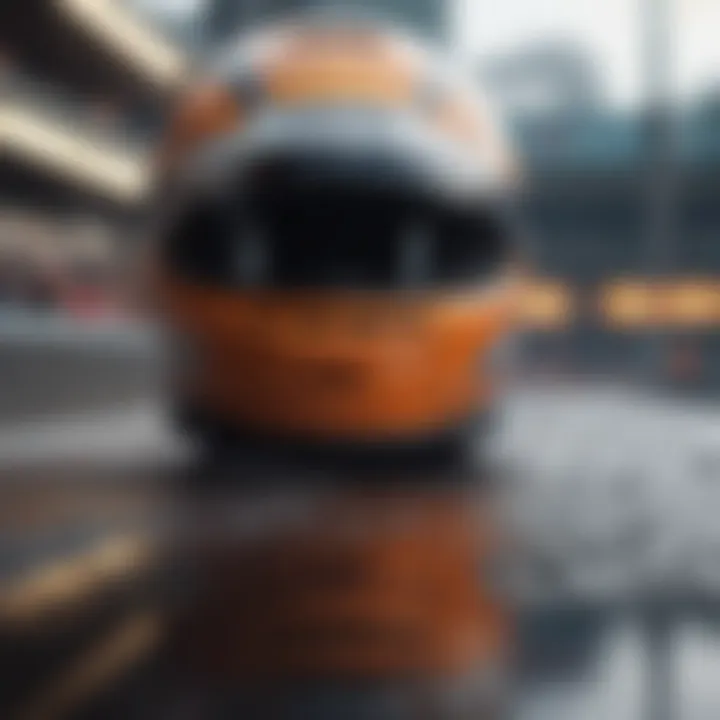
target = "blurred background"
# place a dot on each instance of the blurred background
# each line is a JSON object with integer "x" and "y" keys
{"x": 615, "y": 111}
{"x": 611, "y": 441}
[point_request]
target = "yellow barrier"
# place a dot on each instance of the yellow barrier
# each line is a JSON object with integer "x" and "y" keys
{"x": 547, "y": 305}
{"x": 627, "y": 304}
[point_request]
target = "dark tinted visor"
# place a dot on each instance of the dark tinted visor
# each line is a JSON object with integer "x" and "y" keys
{"x": 335, "y": 237}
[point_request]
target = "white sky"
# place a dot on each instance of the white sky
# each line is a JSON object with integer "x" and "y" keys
{"x": 610, "y": 31}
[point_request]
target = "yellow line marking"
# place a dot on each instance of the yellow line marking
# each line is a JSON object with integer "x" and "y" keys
{"x": 63, "y": 585}
{"x": 96, "y": 669}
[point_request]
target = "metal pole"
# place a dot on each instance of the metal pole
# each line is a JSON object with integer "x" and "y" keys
{"x": 660, "y": 700}
{"x": 661, "y": 230}
{"x": 661, "y": 166}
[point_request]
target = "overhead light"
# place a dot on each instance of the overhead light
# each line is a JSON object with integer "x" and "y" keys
{"x": 119, "y": 176}
{"x": 152, "y": 55}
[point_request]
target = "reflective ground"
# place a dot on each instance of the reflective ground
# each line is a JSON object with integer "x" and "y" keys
{"x": 138, "y": 580}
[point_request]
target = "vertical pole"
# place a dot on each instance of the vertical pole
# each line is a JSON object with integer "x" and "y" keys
{"x": 660, "y": 167}
{"x": 659, "y": 663}
{"x": 660, "y": 233}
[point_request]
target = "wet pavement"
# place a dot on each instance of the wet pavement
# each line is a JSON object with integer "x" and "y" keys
{"x": 602, "y": 512}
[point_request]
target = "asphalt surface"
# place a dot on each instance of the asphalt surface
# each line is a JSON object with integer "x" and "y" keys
{"x": 611, "y": 499}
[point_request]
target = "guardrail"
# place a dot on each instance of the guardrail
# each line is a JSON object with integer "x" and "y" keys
{"x": 51, "y": 365}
